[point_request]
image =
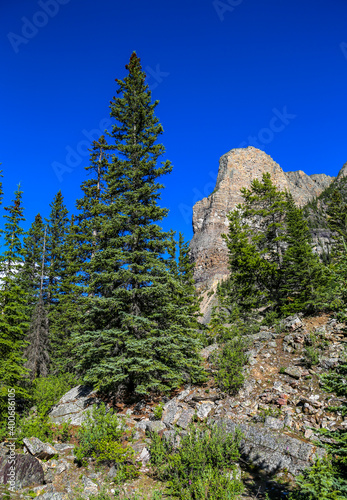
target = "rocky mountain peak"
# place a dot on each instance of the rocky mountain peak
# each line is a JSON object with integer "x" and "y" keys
{"x": 237, "y": 169}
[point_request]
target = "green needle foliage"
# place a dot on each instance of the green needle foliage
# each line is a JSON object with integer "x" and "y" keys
{"x": 13, "y": 301}
{"x": 134, "y": 334}
{"x": 303, "y": 275}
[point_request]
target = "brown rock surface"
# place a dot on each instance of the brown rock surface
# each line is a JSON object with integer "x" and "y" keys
{"x": 237, "y": 169}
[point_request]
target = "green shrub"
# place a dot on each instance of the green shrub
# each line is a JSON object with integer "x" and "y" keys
{"x": 318, "y": 482}
{"x": 47, "y": 391}
{"x": 37, "y": 426}
{"x": 158, "y": 411}
{"x": 229, "y": 361}
{"x": 199, "y": 468}
{"x": 311, "y": 355}
{"x": 100, "y": 437}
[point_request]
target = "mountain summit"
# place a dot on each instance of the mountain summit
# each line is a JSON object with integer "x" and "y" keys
{"x": 237, "y": 169}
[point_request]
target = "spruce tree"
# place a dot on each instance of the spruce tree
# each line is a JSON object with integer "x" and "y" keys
{"x": 132, "y": 336}
{"x": 37, "y": 351}
{"x": 13, "y": 317}
{"x": 64, "y": 315}
{"x": 33, "y": 248}
{"x": 303, "y": 275}
{"x": 255, "y": 243}
{"x": 56, "y": 260}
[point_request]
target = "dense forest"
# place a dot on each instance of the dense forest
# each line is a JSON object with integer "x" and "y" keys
{"x": 105, "y": 297}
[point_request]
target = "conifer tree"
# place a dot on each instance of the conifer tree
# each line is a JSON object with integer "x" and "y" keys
{"x": 33, "y": 246}
{"x": 132, "y": 336}
{"x": 255, "y": 243}
{"x": 13, "y": 317}
{"x": 65, "y": 314}
{"x": 337, "y": 222}
{"x": 56, "y": 259}
{"x": 37, "y": 351}
{"x": 303, "y": 274}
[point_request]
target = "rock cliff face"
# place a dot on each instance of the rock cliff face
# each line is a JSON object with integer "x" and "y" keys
{"x": 237, "y": 169}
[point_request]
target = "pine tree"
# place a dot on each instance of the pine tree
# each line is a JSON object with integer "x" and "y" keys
{"x": 336, "y": 217}
{"x": 65, "y": 314}
{"x": 37, "y": 351}
{"x": 132, "y": 336}
{"x": 33, "y": 247}
{"x": 57, "y": 229}
{"x": 303, "y": 275}
{"x": 13, "y": 318}
{"x": 255, "y": 243}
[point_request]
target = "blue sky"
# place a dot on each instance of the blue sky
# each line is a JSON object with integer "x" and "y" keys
{"x": 272, "y": 73}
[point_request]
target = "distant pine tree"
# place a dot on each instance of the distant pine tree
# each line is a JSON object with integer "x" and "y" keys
{"x": 132, "y": 336}
{"x": 65, "y": 314}
{"x": 255, "y": 243}
{"x": 13, "y": 301}
{"x": 37, "y": 351}
{"x": 33, "y": 248}
{"x": 303, "y": 275}
{"x": 56, "y": 259}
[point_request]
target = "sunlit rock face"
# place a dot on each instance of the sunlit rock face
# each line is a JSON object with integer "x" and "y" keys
{"x": 237, "y": 169}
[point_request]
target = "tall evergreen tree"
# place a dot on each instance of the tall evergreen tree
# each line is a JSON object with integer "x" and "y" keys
{"x": 129, "y": 338}
{"x": 337, "y": 222}
{"x": 13, "y": 317}
{"x": 37, "y": 351}
{"x": 255, "y": 243}
{"x": 64, "y": 315}
{"x": 33, "y": 247}
{"x": 303, "y": 275}
{"x": 56, "y": 260}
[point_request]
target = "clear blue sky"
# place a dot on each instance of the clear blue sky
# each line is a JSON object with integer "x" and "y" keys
{"x": 226, "y": 72}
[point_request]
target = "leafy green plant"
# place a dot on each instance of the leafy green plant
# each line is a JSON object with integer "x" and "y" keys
{"x": 269, "y": 412}
{"x": 47, "y": 391}
{"x": 311, "y": 356}
{"x": 318, "y": 482}
{"x": 34, "y": 426}
{"x": 229, "y": 361}
{"x": 101, "y": 436}
{"x": 282, "y": 369}
{"x": 201, "y": 467}
{"x": 158, "y": 411}
{"x": 65, "y": 432}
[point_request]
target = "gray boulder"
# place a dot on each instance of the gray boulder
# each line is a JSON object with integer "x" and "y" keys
{"x": 73, "y": 405}
{"x": 273, "y": 451}
{"x": 28, "y": 469}
{"x": 43, "y": 451}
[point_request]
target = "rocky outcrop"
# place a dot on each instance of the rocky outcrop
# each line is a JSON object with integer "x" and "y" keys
{"x": 73, "y": 406}
{"x": 237, "y": 169}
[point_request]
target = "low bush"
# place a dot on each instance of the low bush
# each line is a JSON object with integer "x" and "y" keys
{"x": 158, "y": 411}
{"x": 102, "y": 436}
{"x": 229, "y": 361}
{"x": 202, "y": 467}
{"x": 319, "y": 482}
{"x": 46, "y": 391}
